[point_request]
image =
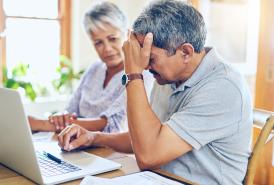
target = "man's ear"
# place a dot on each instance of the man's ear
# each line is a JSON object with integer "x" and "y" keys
{"x": 186, "y": 51}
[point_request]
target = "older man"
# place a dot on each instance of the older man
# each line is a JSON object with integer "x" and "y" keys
{"x": 203, "y": 131}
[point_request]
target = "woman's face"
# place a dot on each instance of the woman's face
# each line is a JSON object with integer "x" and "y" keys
{"x": 108, "y": 43}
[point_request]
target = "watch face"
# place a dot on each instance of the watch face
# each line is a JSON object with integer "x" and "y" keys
{"x": 124, "y": 79}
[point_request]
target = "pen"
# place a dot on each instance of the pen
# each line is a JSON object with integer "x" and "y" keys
{"x": 52, "y": 157}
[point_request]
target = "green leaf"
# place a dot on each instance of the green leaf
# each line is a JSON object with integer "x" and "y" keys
{"x": 65, "y": 61}
{"x": 66, "y": 75}
{"x": 14, "y": 82}
{"x": 20, "y": 70}
{"x": 11, "y": 83}
{"x": 79, "y": 74}
{"x": 29, "y": 91}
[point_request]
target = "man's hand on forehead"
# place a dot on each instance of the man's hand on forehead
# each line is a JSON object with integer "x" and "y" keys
{"x": 140, "y": 38}
{"x": 137, "y": 52}
{"x": 146, "y": 48}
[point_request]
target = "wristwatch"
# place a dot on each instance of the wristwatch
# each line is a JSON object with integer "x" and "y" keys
{"x": 126, "y": 78}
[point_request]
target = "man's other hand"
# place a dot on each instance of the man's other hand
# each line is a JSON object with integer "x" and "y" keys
{"x": 74, "y": 136}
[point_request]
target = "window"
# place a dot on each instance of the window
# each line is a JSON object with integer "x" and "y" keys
{"x": 34, "y": 32}
{"x": 233, "y": 28}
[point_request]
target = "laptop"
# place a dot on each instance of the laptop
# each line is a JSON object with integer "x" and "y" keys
{"x": 30, "y": 159}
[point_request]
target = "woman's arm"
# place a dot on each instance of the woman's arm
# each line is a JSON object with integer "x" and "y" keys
{"x": 53, "y": 125}
{"x": 41, "y": 125}
{"x": 92, "y": 124}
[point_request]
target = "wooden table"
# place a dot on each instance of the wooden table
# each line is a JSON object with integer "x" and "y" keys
{"x": 129, "y": 165}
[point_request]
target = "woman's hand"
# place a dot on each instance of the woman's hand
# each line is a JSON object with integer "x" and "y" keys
{"x": 74, "y": 136}
{"x": 61, "y": 120}
{"x": 137, "y": 57}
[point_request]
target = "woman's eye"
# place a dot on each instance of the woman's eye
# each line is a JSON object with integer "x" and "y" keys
{"x": 112, "y": 39}
{"x": 97, "y": 43}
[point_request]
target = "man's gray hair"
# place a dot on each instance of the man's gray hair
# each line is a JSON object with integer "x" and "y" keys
{"x": 105, "y": 13}
{"x": 172, "y": 23}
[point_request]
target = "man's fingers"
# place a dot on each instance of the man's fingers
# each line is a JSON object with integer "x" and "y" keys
{"x": 145, "y": 51}
{"x": 133, "y": 40}
{"x": 131, "y": 44}
{"x": 61, "y": 137}
{"x": 68, "y": 137}
{"x": 68, "y": 140}
{"x": 81, "y": 141}
{"x": 137, "y": 52}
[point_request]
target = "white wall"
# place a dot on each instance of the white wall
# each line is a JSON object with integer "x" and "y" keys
{"x": 42, "y": 109}
{"x": 83, "y": 52}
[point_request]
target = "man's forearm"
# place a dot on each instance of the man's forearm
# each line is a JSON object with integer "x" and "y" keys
{"x": 118, "y": 141}
{"x": 144, "y": 126}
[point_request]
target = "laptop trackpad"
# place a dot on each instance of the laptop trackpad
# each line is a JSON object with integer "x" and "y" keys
{"x": 72, "y": 156}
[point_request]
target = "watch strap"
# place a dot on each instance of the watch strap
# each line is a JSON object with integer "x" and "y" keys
{"x": 134, "y": 76}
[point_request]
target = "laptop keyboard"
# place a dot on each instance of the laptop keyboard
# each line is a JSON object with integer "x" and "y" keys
{"x": 49, "y": 167}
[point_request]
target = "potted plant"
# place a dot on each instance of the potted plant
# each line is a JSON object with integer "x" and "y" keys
{"x": 64, "y": 83}
{"x": 16, "y": 80}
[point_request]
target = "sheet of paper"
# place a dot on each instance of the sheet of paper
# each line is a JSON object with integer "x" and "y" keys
{"x": 141, "y": 178}
{"x": 91, "y": 180}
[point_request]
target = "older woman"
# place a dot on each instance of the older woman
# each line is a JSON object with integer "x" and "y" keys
{"x": 99, "y": 102}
